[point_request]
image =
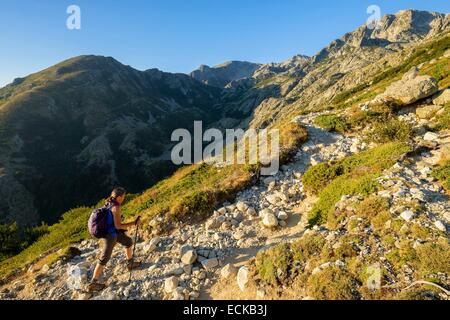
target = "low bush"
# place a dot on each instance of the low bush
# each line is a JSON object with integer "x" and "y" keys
{"x": 442, "y": 173}
{"x": 333, "y": 284}
{"x": 390, "y": 130}
{"x": 332, "y": 122}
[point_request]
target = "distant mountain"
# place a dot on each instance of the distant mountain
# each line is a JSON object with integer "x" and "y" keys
{"x": 72, "y": 131}
{"x": 223, "y": 74}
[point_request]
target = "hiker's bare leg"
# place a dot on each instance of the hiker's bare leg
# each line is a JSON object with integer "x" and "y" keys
{"x": 129, "y": 252}
{"x": 97, "y": 272}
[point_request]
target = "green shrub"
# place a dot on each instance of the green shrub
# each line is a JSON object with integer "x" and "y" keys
{"x": 391, "y": 130}
{"x": 333, "y": 283}
{"x": 71, "y": 228}
{"x": 345, "y": 95}
{"x": 332, "y": 122}
{"x": 13, "y": 240}
{"x": 442, "y": 120}
{"x": 442, "y": 173}
{"x": 433, "y": 258}
{"x": 306, "y": 247}
{"x": 320, "y": 175}
{"x": 273, "y": 265}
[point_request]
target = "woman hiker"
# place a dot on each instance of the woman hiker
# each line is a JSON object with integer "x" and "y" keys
{"x": 116, "y": 234}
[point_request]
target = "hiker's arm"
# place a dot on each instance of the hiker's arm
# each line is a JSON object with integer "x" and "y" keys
{"x": 118, "y": 220}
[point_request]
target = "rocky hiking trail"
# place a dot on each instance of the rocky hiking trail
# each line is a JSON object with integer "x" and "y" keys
{"x": 201, "y": 261}
{"x": 233, "y": 235}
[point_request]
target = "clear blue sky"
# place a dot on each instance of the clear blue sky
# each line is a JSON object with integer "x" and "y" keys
{"x": 178, "y": 35}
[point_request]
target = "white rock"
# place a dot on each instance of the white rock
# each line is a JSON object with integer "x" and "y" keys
{"x": 260, "y": 294}
{"x": 239, "y": 234}
{"x": 228, "y": 271}
{"x": 238, "y": 216}
{"x": 176, "y": 271}
{"x": 212, "y": 224}
{"x": 273, "y": 199}
{"x": 155, "y": 241}
{"x": 282, "y": 215}
{"x": 251, "y": 211}
{"x": 442, "y": 98}
{"x": 440, "y": 226}
{"x": 269, "y": 220}
{"x": 210, "y": 264}
{"x": 242, "y": 278}
{"x": 263, "y": 212}
{"x": 241, "y": 206}
{"x": 407, "y": 215}
{"x": 149, "y": 247}
{"x": 430, "y": 136}
{"x": 447, "y": 216}
{"x": 45, "y": 268}
{"x": 170, "y": 284}
{"x": 189, "y": 257}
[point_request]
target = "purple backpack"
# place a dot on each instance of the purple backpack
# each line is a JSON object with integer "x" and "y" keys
{"x": 98, "y": 221}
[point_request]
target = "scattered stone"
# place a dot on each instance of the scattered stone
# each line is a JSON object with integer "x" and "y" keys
{"x": 212, "y": 224}
{"x": 251, "y": 211}
{"x": 239, "y": 234}
{"x": 241, "y": 206}
{"x": 260, "y": 294}
{"x": 442, "y": 98}
{"x": 170, "y": 284}
{"x": 430, "y": 136}
{"x": 45, "y": 268}
{"x": 427, "y": 112}
{"x": 440, "y": 226}
{"x": 189, "y": 257}
{"x": 228, "y": 271}
{"x": 269, "y": 220}
{"x": 242, "y": 278}
{"x": 149, "y": 247}
{"x": 407, "y": 215}
{"x": 282, "y": 215}
{"x": 210, "y": 264}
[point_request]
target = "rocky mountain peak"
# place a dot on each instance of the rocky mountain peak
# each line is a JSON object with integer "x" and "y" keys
{"x": 403, "y": 28}
{"x": 223, "y": 74}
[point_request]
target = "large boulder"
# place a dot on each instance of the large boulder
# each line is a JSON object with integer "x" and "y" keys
{"x": 410, "y": 89}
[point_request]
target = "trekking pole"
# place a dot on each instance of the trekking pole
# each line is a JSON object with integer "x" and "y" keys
{"x": 134, "y": 246}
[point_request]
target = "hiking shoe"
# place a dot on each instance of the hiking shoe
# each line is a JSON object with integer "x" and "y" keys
{"x": 131, "y": 264}
{"x": 95, "y": 286}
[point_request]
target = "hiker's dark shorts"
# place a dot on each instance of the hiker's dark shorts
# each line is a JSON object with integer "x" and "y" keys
{"x": 109, "y": 243}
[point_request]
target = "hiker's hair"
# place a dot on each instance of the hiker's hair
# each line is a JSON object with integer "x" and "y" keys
{"x": 117, "y": 192}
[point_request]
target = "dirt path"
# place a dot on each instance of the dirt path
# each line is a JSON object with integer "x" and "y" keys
{"x": 322, "y": 146}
